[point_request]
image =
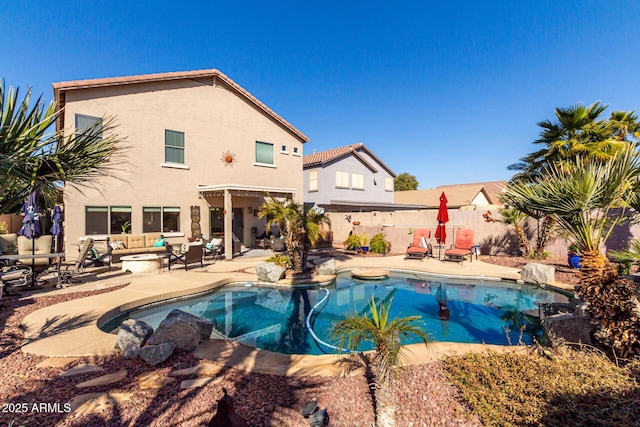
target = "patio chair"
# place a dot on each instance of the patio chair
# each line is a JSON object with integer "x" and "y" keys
{"x": 41, "y": 246}
{"x": 15, "y": 276}
{"x": 74, "y": 268}
{"x": 193, "y": 254}
{"x": 277, "y": 244}
{"x": 462, "y": 247}
{"x": 421, "y": 245}
{"x": 213, "y": 248}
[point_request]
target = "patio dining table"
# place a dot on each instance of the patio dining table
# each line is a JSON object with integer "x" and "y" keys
{"x": 55, "y": 255}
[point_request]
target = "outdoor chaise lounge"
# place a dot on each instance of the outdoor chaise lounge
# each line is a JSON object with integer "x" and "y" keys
{"x": 74, "y": 268}
{"x": 462, "y": 247}
{"x": 421, "y": 245}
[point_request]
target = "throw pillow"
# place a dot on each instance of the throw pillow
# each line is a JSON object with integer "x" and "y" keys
{"x": 423, "y": 243}
{"x": 159, "y": 243}
{"x": 117, "y": 245}
{"x": 94, "y": 253}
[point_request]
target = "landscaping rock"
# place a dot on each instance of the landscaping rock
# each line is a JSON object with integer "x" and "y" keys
{"x": 84, "y": 368}
{"x": 562, "y": 328}
{"x": 269, "y": 272}
{"x": 327, "y": 267}
{"x": 204, "y": 326}
{"x": 181, "y": 332}
{"x": 153, "y": 380}
{"x": 131, "y": 351}
{"x": 539, "y": 274}
{"x": 92, "y": 403}
{"x": 134, "y": 332}
{"x": 104, "y": 379}
{"x": 154, "y": 354}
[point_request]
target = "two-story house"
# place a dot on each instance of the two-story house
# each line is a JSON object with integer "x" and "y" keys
{"x": 349, "y": 178}
{"x": 195, "y": 139}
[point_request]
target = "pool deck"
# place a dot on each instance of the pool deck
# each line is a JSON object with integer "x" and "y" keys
{"x": 70, "y": 328}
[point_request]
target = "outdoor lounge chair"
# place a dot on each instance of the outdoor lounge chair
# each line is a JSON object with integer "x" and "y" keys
{"x": 41, "y": 246}
{"x": 462, "y": 247}
{"x": 213, "y": 248}
{"x": 421, "y": 245}
{"x": 277, "y": 244}
{"x": 15, "y": 276}
{"x": 74, "y": 268}
{"x": 193, "y": 254}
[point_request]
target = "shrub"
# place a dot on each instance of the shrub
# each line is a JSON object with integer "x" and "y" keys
{"x": 355, "y": 241}
{"x": 281, "y": 260}
{"x": 379, "y": 245}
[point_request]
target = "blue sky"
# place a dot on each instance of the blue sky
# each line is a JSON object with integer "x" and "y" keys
{"x": 447, "y": 91}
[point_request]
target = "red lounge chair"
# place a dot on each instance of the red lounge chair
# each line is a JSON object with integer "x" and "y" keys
{"x": 462, "y": 247}
{"x": 421, "y": 246}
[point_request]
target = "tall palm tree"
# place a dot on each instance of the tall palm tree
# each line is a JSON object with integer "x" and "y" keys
{"x": 295, "y": 222}
{"x": 578, "y": 130}
{"x": 579, "y": 196}
{"x": 381, "y": 365}
{"x": 34, "y": 157}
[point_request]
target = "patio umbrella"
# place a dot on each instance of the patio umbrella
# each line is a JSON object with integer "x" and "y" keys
{"x": 31, "y": 225}
{"x": 443, "y": 218}
{"x": 56, "y": 227}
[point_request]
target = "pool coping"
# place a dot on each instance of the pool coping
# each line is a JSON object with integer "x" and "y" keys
{"x": 70, "y": 328}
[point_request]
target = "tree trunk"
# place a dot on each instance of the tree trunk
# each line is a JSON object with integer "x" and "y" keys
{"x": 522, "y": 240}
{"x": 544, "y": 235}
{"x": 385, "y": 404}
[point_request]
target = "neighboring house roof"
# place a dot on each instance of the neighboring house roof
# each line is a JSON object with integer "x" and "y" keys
{"x": 323, "y": 157}
{"x": 204, "y": 76}
{"x": 457, "y": 195}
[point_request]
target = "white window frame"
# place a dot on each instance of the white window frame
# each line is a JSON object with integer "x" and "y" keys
{"x": 342, "y": 179}
{"x": 388, "y": 184}
{"x": 357, "y": 181}
{"x": 313, "y": 180}
{"x": 273, "y": 157}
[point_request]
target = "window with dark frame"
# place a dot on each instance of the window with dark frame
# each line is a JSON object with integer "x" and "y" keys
{"x": 173, "y": 146}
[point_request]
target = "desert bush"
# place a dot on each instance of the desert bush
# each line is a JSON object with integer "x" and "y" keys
{"x": 379, "y": 245}
{"x": 572, "y": 387}
{"x": 281, "y": 260}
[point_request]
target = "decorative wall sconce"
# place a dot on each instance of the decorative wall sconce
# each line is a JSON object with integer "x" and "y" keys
{"x": 255, "y": 212}
{"x": 249, "y": 209}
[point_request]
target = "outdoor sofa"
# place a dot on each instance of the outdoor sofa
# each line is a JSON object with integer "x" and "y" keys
{"x": 120, "y": 245}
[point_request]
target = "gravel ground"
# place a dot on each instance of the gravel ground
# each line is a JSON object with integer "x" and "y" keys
{"x": 564, "y": 274}
{"x": 424, "y": 396}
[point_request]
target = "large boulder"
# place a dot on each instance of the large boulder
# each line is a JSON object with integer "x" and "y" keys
{"x": 561, "y": 328}
{"x": 204, "y": 326}
{"x": 133, "y": 333}
{"x": 539, "y": 274}
{"x": 184, "y": 334}
{"x": 269, "y": 272}
{"x": 327, "y": 267}
{"x": 154, "y": 354}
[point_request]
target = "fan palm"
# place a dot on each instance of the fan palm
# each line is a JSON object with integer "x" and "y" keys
{"x": 32, "y": 157}
{"x": 384, "y": 334}
{"x": 579, "y": 196}
{"x": 294, "y": 222}
{"x": 577, "y": 131}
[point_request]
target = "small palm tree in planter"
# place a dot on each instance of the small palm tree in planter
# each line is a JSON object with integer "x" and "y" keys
{"x": 381, "y": 365}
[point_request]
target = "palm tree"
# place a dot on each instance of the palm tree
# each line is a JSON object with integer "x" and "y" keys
{"x": 579, "y": 196}
{"x": 32, "y": 157}
{"x": 516, "y": 218}
{"x": 381, "y": 365}
{"x": 577, "y": 131}
{"x": 295, "y": 222}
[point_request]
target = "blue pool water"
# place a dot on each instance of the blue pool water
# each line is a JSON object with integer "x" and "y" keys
{"x": 273, "y": 318}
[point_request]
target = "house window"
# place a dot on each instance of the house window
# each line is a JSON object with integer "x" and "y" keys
{"x": 342, "y": 179}
{"x": 313, "y": 180}
{"x": 283, "y": 149}
{"x": 357, "y": 181}
{"x": 388, "y": 184}
{"x": 107, "y": 220}
{"x": 295, "y": 150}
{"x": 83, "y": 123}
{"x": 264, "y": 153}
{"x": 173, "y": 146}
{"x": 160, "y": 219}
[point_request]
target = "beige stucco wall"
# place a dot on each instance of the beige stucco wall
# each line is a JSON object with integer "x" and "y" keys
{"x": 214, "y": 120}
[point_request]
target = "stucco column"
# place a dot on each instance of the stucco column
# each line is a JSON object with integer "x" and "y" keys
{"x": 228, "y": 229}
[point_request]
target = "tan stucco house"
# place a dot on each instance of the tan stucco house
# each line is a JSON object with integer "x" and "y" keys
{"x": 196, "y": 139}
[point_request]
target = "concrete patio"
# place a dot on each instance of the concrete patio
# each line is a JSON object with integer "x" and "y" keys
{"x": 70, "y": 329}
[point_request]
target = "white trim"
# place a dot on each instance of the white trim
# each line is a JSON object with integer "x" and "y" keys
{"x": 174, "y": 166}
{"x": 220, "y": 187}
{"x": 265, "y": 165}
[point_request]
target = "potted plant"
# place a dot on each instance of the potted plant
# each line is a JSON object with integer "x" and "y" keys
{"x": 125, "y": 227}
{"x": 573, "y": 258}
{"x": 352, "y": 243}
{"x": 364, "y": 242}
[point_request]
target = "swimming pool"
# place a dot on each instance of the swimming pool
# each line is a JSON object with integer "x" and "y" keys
{"x": 453, "y": 310}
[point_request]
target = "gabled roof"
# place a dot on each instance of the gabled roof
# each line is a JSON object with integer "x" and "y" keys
{"x": 457, "y": 195}
{"x": 323, "y": 157}
{"x": 204, "y": 76}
